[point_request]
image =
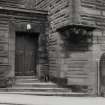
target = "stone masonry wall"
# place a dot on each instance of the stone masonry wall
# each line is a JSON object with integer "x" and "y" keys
{"x": 78, "y": 65}
{"x": 64, "y": 62}
{"x": 4, "y": 55}
{"x": 93, "y": 13}
{"x": 12, "y": 21}
{"x": 59, "y": 16}
{"x": 42, "y": 4}
{"x": 77, "y": 61}
{"x": 28, "y": 4}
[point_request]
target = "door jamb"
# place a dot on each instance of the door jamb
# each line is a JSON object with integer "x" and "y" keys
{"x": 98, "y": 77}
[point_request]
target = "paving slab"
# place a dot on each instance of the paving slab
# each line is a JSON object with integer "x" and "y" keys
{"x": 15, "y": 99}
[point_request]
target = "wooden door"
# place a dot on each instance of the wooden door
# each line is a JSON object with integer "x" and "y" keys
{"x": 102, "y": 74}
{"x": 26, "y": 53}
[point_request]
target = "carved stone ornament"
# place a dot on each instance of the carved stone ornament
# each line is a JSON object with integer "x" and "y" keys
{"x": 77, "y": 34}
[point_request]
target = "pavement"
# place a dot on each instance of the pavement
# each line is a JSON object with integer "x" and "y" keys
{"x": 16, "y": 99}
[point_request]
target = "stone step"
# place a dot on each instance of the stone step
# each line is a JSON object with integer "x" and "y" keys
{"x": 26, "y": 77}
{"x": 33, "y": 89}
{"x": 49, "y": 93}
{"x": 35, "y": 84}
{"x": 27, "y": 80}
{"x": 30, "y": 85}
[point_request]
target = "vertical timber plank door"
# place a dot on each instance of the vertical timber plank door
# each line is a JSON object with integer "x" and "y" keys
{"x": 102, "y": 75}
{"x": 26, "y": 52}
{"x": 19, "y": 58}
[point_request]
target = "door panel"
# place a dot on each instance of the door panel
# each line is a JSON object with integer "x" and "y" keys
{"x": 102, "y": 74}
{"x": 19, "y": 62}
{"x": 26, "y": 52}
{"x": 19, "y": 54}
{"x": 29, "y": 62}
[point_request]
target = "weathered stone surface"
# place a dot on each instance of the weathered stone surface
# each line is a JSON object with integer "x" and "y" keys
{"x": 15, "y": 20}
{"x": 29, "y": 4}
{"x": 65, "y": 61}
{"x": 42, "y": 4}
{"x": 76, "y": 65}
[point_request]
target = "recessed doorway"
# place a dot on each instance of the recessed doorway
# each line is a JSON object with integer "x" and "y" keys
{"x": 102, "y": 74}
{"x": 26, "y": 53}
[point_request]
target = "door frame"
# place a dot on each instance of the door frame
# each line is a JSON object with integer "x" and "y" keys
{"x": 20, "y": 24}
{"x": 28, "y": 33}
{"x": 15, "y": 27}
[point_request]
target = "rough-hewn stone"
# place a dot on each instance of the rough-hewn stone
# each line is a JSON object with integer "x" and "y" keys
{"x": 28, "y": 4}
{"x": 10, "y": 23}
{"x": 77, "y": 65}
{"x": 72, "y": 64}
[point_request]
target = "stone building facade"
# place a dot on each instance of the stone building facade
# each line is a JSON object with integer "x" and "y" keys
{"x": 70, "y": 41}
{"x": 79, "y": 65}
{"x": 18, "y": 17}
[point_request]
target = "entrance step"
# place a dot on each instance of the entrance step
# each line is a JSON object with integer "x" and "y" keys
{"x": 30, "y": 85}
{"x": 35, "y": 84}
{"x": 27, "y": 80}
{"x": 33, "y": 89}
{"x": 70, "y": 94}
{"x": 26, "y": 77}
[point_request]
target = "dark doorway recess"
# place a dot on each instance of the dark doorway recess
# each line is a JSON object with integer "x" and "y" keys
{"x": 102, "y": 74}
{"x": 26, "y": 53}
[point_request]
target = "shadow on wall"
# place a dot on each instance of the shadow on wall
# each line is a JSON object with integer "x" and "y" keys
{"x": 78, "y": 40}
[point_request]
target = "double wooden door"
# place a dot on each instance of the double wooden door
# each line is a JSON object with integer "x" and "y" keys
{"x": 26, "y": 53}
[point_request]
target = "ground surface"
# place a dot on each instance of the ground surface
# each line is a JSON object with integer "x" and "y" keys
{"x": 12, "y": 99}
